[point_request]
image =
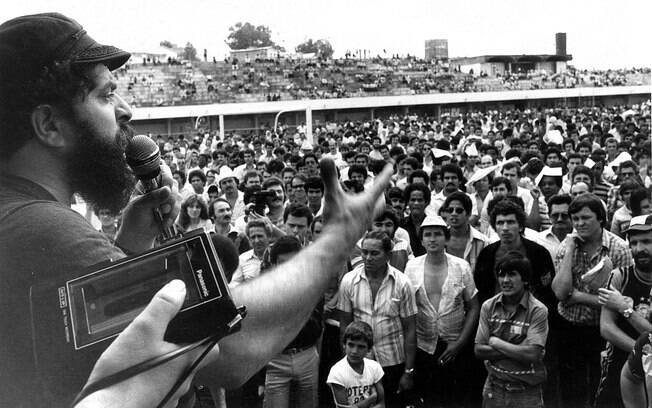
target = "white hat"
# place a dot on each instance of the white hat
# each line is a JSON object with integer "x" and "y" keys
{"x": 434, "y": 221}
{"x": 441, "y": 153}
{"x": 622, "y": 157}
{"x": 306, "y": 145}
{"x": 548, "y": 171}
{"x": 471, "y": 150}
{"x": 225, "y": 173}
{"x": 482, "y": 173}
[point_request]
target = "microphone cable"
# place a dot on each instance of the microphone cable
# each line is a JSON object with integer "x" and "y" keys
{"x": 146, "y": 365}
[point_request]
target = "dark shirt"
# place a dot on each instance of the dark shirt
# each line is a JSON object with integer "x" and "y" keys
{"x": 40, "y": 238}
{"x": 415, "y": 240}
{"x": 542, "y": 267}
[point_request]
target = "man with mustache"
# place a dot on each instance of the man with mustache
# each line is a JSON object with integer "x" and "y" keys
{"x": 453, "y": 178}
{"x": 63, "y": 130}
{"x": 625, "y": 309}
{"x": 579, "y": 306}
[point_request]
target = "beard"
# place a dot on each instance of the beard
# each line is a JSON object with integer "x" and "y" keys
{"x": 643, "y": 262}
{"x": 97, "y": 168}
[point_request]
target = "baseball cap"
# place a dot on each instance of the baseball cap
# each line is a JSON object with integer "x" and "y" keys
{"x": 30, "y": 43}
{"x": 640, "y": 223}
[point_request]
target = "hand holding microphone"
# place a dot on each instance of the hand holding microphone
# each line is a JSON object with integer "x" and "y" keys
{"x": 156, "y": 202}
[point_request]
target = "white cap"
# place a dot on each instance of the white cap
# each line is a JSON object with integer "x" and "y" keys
{"x": 434, "y": 221}
{"x": 471, "y": 150}
{"x": 225, "y": 173}
{"x": 622, "y": 157}
{"x": 548, "y": 171}
{"x": 482, "y": 173}
{"x": 438, "y": 153}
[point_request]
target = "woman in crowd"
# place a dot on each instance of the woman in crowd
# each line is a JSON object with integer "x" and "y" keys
{"x": 194, "y": 215}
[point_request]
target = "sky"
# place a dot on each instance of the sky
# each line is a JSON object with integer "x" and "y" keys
{"x": 601, "y": 34}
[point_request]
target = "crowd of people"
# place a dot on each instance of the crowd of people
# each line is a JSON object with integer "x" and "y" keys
{"x": 285, "y": 78}
{"x": 520, "y": 240}
{"x": 500, "y": 258}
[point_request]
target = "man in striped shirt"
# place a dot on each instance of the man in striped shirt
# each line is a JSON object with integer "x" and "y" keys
{"x": 378, "y": 294}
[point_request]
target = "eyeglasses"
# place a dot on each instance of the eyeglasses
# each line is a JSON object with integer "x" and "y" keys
{"x": 455, "y": 210}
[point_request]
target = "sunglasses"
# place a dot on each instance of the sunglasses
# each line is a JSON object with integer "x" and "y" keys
{"x": 455, "y": 210}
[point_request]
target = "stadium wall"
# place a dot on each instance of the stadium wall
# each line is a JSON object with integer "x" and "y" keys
{"x": 174, "y": 120}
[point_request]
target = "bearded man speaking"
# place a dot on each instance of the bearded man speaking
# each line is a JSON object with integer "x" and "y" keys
{"x": 63, "y": 130}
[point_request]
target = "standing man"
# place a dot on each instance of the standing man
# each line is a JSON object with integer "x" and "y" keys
{"x": 291, "y": 378}
{"x": 276, "y": 204}
{"x": 452, "y": 177}
{"x": 297, "y": 218}
{"x": 58, "y": 107}
{"x": 465, "y": 241}
{"x": 417, "y": 197}
{"x": 511, "y": 338}
{"x": 259, "y": 234}
{"x": 228, "y": 184}
{"x": 447, "y": 314}
{"x": 625, "y": 310}
{"x": 579, "y": 307}
{"x": 552, "y": 237}
{"x": 220, "y": 212}
{"x": 381, "y": 296}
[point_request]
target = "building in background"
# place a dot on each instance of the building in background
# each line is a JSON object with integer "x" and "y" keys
{"x": 494, "y": 65}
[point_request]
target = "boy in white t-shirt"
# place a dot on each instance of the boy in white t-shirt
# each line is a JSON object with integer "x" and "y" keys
{"x": 356, "y": 380}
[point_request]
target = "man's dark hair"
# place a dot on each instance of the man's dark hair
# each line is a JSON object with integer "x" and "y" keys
{"x": 287, "y": 244}
{"x": 357, "y": 168}
{"x": 501, "y": 180}
{"x": 58, "y": 85}
{"x": 515, "y": 261}
{"x": 460, "y": 196}
{"x": 298, "y": 211}
{"x": 388, "y": 215}
{"x": 418, "y": 174}
{"x": 416, "y": 187}
{"x": 386, "y": 241}
{"x": 593, "y": 203}
{"x": 410, "y": 161}
{"x": 274, "y": 166}
{"x": 395, "y": 192}
{"x": 506, "y": 206}
{"x": 315, "y": 183}
{"x": 584, "y": 170}
{"x": 559, "y": 199}
{"x": 273, "y": 181}
{"x": 639, "y": 194}
{"x": 250, "y": 174}
{"x": 453, "y": 168}
{"x": 197, "y": 173}
{"x": 513, "y": 165}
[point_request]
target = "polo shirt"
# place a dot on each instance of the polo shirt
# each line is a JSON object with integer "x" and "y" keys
{"x": 621, "y": 257}
{"x": 528, "y": 324}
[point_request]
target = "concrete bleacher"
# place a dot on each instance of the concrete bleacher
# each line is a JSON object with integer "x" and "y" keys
{"x": 223, "y": 82}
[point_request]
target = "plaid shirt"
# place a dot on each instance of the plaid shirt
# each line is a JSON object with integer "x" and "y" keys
{"x": 614, "y": 201}
{"x": 445, "y": 321}
{"x": 394, "y": 301}
{"x": 621, "y": 257}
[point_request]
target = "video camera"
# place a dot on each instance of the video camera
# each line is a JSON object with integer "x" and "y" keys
{"x": 76, "y": 317}
{"x": 260, "y": 200}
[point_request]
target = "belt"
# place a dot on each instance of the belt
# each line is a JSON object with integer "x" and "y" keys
{"x": 510, "y": 385}
{"x": 296, "y": 350}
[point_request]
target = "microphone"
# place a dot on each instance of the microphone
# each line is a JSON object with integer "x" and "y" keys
{"x": 144, "y": 158}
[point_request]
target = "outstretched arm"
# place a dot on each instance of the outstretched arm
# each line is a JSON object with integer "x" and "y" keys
{"x": 280, "y": 301}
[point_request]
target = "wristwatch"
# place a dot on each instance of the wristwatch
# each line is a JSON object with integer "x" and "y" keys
{"x": 628, "y": 312}
{"x": 409, "y": 371}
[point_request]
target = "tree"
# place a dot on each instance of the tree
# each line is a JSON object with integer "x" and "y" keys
{"x": 166, "y": 44}
{"x": 242, "y": 36}
{"x": 322, "y": 48}
{"x": 189, "y": 52}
